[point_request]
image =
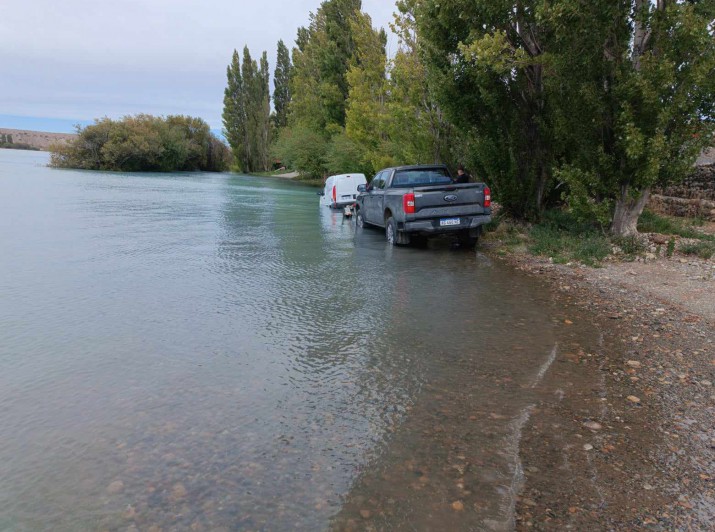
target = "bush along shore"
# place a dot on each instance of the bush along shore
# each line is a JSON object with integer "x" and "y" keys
{"x": 143, "y": 143}
{"x": 562, "y": 239}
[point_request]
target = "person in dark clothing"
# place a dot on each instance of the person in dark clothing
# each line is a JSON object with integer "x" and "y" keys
{"x": 462, "y": 176}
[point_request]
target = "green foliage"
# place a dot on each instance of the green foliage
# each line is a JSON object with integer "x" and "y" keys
{"x": 630, "y": 245}
{"x": 581, "y": 204}
{"x": 704, "y": 250}
{"x": 246, "y": 114}
{"x": 365, "y": 114}
{"x": 303, "y": 149}
{"x": 562, "y": 246}
{"x": 589, "y": 102}
{"x": 485, "y": 62}
{"x": 143, "y": 143}
{"x": 319, "y": 85}
{"x": 670, "y": 249}
{"x": 234, "y": 110}
{"x": 417, "y": 128}
{"x": 281, "y": 84}
{"x": 565, "y": 238}
{"x": 651, "y": 222}
{"x": 344, "y": 155}
{"x": 639, "y": 77}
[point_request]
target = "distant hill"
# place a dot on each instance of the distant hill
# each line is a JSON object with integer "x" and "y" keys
{"x": 36, "y": 139}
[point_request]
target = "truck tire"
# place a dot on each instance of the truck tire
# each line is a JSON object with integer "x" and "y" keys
{"x": 359, "y": 220}
{"x": 467, "y": 241}
{"x": 393, "y": 236}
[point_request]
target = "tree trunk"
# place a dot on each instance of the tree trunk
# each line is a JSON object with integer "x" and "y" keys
{"x": 627, "y": 212}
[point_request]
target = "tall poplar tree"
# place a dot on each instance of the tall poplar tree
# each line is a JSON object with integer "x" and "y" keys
{"x": 320, "y": 61}
{"x": 281, "y": 83}
{"x": 249, "y": 73}
{"x": 640, "y": 75}
{"x": 234, "y": 111}
{"x": 263, "y": 95}
{"x": 367, "y": 96}
{"x": 246, "y": 114}
{"x": 487, "y": 62}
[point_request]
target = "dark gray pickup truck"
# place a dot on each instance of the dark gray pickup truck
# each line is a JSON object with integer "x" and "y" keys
{"x": 415, "y": 202}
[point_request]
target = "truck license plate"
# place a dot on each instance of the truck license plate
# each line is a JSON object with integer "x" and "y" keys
{"x": 449, "y": 221}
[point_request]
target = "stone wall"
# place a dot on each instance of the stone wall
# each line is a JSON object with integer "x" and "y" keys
{"x": 695, "y": 196}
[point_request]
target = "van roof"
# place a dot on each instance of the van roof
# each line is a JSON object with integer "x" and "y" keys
{"x": 356, "y": 174}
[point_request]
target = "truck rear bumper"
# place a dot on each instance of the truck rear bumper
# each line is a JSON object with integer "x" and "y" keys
{"x": 432, "y": 225}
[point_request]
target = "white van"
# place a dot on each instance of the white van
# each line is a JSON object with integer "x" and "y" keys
{"x": 341, "y": 190}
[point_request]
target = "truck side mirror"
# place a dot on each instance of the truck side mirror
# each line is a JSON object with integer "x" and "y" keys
{"x": 362, "y": 188}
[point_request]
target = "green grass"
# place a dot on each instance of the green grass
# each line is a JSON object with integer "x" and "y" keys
{"x": 704, "y": 250}
{"x": 564, "y": 238}
{"x": 589, "y": 247}
{"x": 649, "y": 222}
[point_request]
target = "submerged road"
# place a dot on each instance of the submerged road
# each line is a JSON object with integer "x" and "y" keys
{"x": 216, "y": 351}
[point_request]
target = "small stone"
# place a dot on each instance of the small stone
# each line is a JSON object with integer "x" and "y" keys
{"x": 592, "y": 425}
{"x": 365, "y": 514}
{"x": 458, "y": 506}
{"x": 115, "y": 487}
{"x": 648, "y": 487}
{"x": 178, "y": 491}
{"x": 706, "y": 383}
{"x": 130, "y": 512}
{"x": 633, "y": 399}
{"x": 568, "y": 322}
{"x": 587, "y": 447}
{"x": 633, "y": 364}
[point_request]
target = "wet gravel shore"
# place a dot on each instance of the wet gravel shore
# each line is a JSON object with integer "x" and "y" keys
{"x": 624, "y": 437}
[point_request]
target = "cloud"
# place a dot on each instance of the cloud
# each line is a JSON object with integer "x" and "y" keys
{"x": 81, "y": 59}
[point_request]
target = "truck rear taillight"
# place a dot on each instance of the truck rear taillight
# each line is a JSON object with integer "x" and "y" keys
{"x": 335, "y": 194}
{"x": 487, "y": 197}
{"x": 408, "y": 203}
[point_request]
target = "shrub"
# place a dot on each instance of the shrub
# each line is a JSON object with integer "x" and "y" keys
{"x": 704, "y": 250}
{"x": 143, "y": 143}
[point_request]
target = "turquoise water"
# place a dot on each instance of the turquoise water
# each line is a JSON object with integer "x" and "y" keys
{"x": 216, "y": 351}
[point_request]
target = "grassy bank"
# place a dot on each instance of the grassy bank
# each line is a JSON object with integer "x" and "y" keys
{"x": 560, "y": 237}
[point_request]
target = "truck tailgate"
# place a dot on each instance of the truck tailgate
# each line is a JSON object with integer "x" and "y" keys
{"x": 449, "y": 200}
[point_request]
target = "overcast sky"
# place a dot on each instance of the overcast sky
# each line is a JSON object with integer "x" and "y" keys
{"x": 69, "y": 61}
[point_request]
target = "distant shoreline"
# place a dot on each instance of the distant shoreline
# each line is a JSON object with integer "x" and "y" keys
{"x": 40, "y": 140}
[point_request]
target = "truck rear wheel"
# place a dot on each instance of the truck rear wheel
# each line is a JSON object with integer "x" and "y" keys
{"x": 468, "y": 241}
{"x": 393, "y": 236}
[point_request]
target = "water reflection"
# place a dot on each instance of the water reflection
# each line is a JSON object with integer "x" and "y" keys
{"x": 207, "y": 352}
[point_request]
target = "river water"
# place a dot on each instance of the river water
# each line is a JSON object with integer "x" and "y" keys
{"x": 217, "y": 352}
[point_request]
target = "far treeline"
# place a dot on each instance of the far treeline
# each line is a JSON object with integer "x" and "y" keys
{"x": 582, "y": 105}
{"x": 143, "y": 143}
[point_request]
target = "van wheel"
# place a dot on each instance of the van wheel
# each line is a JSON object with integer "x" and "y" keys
{"x": 393, "y": 236}
{"x": 359, "y": 220}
